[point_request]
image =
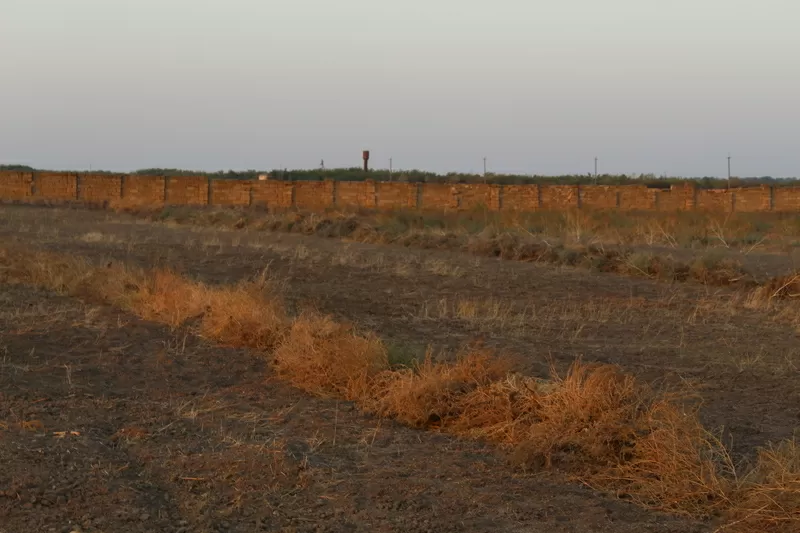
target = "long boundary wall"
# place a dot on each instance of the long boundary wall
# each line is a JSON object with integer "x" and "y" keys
{"x": 149, "y": 191}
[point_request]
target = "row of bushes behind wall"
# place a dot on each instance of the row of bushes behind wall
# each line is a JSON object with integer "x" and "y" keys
{"x": 149, "y": 191}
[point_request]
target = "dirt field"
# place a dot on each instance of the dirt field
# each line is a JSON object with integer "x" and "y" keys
{"x": 174, "y": 434}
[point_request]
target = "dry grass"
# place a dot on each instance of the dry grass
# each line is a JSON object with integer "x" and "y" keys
{"x": 780, "y": 288}
{"x": 430, "y": 394}
{"x": 326, "y": 358}
{"x": 597, "y": 423}
{"x": 743, "y": 231}
{"x": 768, "y": 498}
{"x": 248, "y": 315}
{"x": 603, "y": 241}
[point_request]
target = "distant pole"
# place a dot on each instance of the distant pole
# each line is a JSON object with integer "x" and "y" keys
{"x": 484, "y": 167}
{"x": 729, "y": 170}
{"x": 390, "y": 168}
{"x": 595, "y": 169}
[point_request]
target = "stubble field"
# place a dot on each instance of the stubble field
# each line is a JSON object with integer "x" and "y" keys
{"x": 229, "y": 371}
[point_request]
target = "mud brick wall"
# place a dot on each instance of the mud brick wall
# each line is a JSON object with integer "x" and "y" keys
{"x": 478, "y": 196}
{"x": 99, "y": 189}
{"x": 272, "y": 194}
{"x": 637, "y": 197}
{"x": 786, "y": 198}
{"x": 437, "y": 196}
{"x": 559, "y": 196}
{"x": 148, "y": 191}
{"x": 714, "y": 200}
{"x": 16, "y": 185}
{"x": 230, "y": 192}
{"x": 54, "y": 186}
{"x": 599, "y": 196}
{"x": 187, "y": 190}
{"x": 669, "y": 200}
{"x": 143, "y": 191}
{"x": 752, "y": 199}
{"x": 677, "y": 198}
{"x": 313, "y": 195}
{"x": 396, "y": 195}
{"x": 520, "y": 198}
{"x": 355, "y": 194}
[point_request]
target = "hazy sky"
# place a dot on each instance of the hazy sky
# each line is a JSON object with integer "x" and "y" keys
{"x": 536, "y": 86}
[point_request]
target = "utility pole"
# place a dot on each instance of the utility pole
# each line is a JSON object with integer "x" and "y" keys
{"x": 595, "y": 169}
{"x": 729, "y": 170}
{"x": 390, "y": 169}
{"x": 484, "y": 167}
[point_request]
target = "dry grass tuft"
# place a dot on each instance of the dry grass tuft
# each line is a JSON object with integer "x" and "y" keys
{"x": 780, "y": 288}
{"x": 671, "y": 463}
{"x": 769, "y": 496}
{"x": 609, "y": 430}
{"x": 431, "y": 394}
{"x": 326, "y": 358}
{"x": 246, "y": 315}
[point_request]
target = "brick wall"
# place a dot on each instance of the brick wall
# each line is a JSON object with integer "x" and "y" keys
{"x": 187, "y": 190}
{"x": 599, "y": 196}
{"x": 230, "y": 192}
{"x": 148, "y": 191}
{"x": 787, "y": 199}
{"x": 637, "y": 197}
{"x": 273, "y": 194}
{"x": 313, "y": 195}
{"x": 714, "y": 200}
{"x": 521, "y": 197}
{"x": 437, "y": 196}
{"x": 56, "y": 187}
{"x": 753, "y": 199}
{"x": 143, "y": 191}
{"x": 355, "y": 194}
{"x": 558, "y": 196}
{"x": 396, "y": 195}
{"x": 16, "y": 186}
{"x": 99, "y": 189}
{"x": 478, "y": 196}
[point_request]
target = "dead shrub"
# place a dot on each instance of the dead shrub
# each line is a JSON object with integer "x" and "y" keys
{"x": 768, "y": 499}
{"x": 243, "y": 316}
{"x": 588, "y": 412}
{"x": 615, "y": 433}
{"x": 713, "y": 269}
{"x": 780, "y": 288}
{"x": 166, "y": 297}
{"x": 326, "y": 358}
{"x": 503, "y": 410}
{"x": 671, "y": 463}
{"x": 431, "y": 394}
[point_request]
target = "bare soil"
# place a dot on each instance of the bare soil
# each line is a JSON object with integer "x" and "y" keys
{"x": 264, "y": 454}
{"x": 113, "y": 424}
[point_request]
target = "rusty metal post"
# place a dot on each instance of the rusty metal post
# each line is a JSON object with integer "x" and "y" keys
{"x": 365, "y": 155}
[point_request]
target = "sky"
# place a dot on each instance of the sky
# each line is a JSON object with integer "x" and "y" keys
{"x": 535, "y": 86}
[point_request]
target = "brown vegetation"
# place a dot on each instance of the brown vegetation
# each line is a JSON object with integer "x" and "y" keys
{"x": 595, "y": 422}
{"x": 696, "y": 247}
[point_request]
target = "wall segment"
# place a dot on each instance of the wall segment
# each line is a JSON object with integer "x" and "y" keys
{"x": 149, "y": 191}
